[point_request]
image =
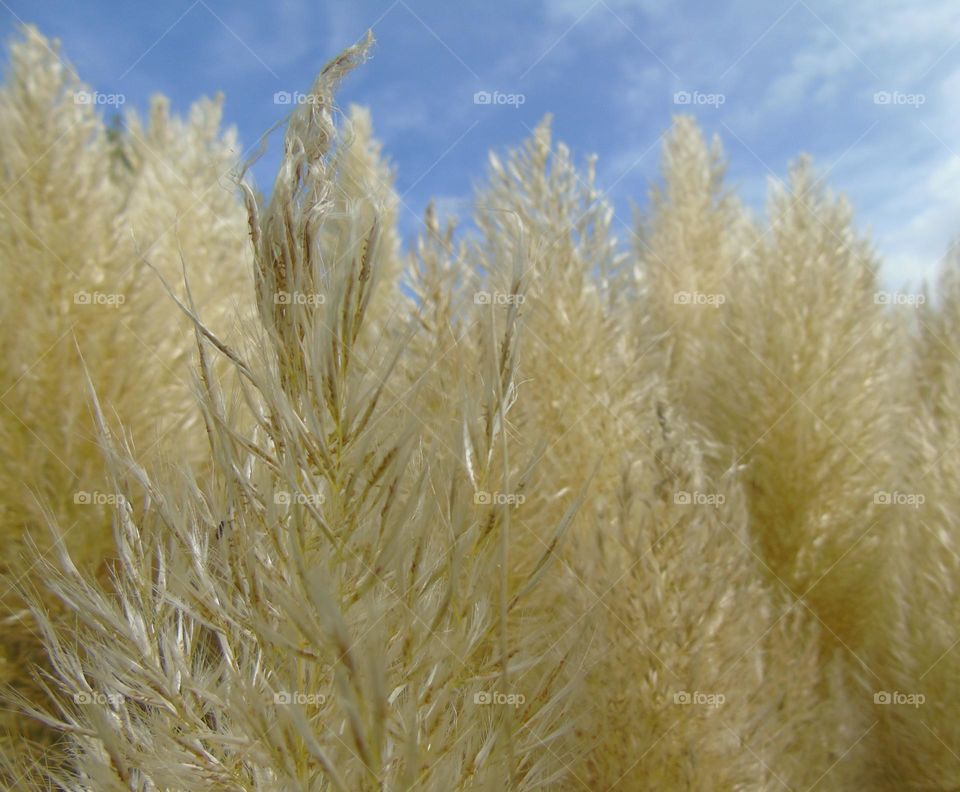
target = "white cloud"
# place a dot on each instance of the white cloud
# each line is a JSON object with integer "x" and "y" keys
{"x": 453, "y": 206}
{"x": 915, "y": 243}
{"x": 395, "y": 115}
{"x": 564, "y": 12}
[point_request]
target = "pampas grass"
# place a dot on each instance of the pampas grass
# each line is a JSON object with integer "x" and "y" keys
{"x": 81, "y": 210}
{"x": 517, "y": 510}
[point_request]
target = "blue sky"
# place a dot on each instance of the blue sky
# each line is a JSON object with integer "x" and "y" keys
{"x": 793, "y": 75}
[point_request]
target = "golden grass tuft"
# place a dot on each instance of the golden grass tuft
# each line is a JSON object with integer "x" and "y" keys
{"x": 521, "y": 510}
